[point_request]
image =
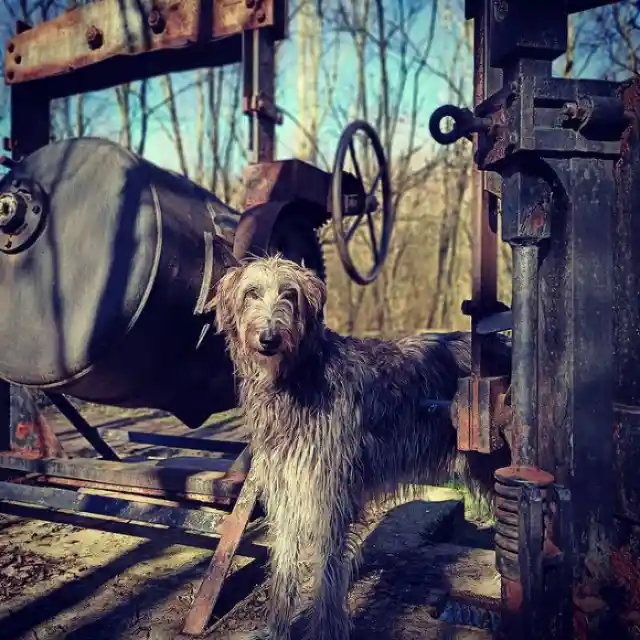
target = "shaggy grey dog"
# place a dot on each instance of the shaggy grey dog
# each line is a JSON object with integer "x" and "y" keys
{"x": 335, "y": 422}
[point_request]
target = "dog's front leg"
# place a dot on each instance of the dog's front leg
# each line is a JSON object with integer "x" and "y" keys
{"x": 286, "y": 578}
{"x": 328, "y": 615}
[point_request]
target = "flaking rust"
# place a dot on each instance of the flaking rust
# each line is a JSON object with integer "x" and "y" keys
{"x": 626, "y": 570}
{"x": 630, "y": 96}
{"x": 33, "y": 437}
{"x": 99, "y": 31}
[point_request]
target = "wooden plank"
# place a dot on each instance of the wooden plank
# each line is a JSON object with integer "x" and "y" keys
{"x": 163, "y": 502}
{"x": 200, "y": 520}
{"x": 231, "y": 532}
{"x": 206, "y": 476}
{"x": 154, "y": 493}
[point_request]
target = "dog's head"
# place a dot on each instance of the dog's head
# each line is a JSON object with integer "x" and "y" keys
{"x": 269, "y": 308}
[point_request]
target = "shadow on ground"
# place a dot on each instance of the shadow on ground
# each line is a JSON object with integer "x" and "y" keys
{"x": 127, "y": 617}
{"x": 401, "y": 585}
{"x": 409, "y": 567}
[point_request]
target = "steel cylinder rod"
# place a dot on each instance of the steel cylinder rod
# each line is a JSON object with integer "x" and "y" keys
{"x": 524, "y": 383}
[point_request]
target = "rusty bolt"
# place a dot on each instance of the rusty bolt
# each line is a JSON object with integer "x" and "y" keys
{"x": 570, "y": 110}
{"x": 156, "y": 21}
{"x": 261, "y": 14}
{"x": 94, "y": 37}
{"x": 8, "y": 208}
{"x": 12, "y": 213}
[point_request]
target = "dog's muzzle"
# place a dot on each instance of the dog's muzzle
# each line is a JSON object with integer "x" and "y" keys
{"x": 269, "y": 342}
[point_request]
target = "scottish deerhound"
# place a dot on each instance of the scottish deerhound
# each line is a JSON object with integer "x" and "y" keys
{"x": 334, "y": 422}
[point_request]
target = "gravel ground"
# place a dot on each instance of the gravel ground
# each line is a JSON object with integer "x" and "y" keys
{"x": 60, "y": 580}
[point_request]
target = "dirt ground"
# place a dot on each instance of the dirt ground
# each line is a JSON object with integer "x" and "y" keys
{"x": 59, "y": 579}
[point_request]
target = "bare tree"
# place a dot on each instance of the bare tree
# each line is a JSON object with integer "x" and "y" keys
{"x": 607, "y": 41}
{"x": 383, "y": 37}
{"x": 224, "y": 87}
{"x": 392, "y": 45}
{"x": 174, "y": 124}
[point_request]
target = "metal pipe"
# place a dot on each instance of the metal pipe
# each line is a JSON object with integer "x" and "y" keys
{"x": 524, "y": 382}
{"x": 259, "y": 85}
{"x": 89, "y": 433}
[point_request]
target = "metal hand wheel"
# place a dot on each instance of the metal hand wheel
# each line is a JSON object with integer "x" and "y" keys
{"x": 362, "y": 204}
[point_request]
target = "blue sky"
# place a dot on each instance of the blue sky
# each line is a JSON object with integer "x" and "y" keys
{"x": 433, "y": 91}
{"x": 160, "y": 148}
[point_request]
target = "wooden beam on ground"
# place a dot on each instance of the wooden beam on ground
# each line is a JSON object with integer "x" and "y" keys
{"x": 231, "y": 532}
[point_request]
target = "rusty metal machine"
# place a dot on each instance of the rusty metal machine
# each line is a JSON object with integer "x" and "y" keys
{"x": 107, "y": 262}
{"x": 557, "y": 158}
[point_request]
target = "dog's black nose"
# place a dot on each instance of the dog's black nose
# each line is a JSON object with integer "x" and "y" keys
{"x": 270, "y": 340}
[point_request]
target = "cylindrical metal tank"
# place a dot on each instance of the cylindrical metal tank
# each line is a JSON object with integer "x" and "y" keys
{"x": 106, "y": 264}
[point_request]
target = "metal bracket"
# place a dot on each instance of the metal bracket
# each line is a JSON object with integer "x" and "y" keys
{"x": 480, "y": 411}
{"x": 259, "y": 104}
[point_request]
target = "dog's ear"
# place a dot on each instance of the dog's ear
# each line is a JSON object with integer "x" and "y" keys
{"x": 223, "y": 301}
{"x": 314, "y": 292}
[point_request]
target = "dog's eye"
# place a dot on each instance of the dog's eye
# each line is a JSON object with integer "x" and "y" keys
{"x": 251, "y": 293}
{"x": 291, "y": 295}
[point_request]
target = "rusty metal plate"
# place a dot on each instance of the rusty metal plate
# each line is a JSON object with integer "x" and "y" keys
{"x": 462, "y": 416}
{"x": 286, "y": 180}
{"x": 479, "y": 413}
{"x": 234, "y": 16}
{"x": 109, "y": 28}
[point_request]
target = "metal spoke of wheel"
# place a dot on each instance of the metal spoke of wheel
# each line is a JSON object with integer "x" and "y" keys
{"x": 375, "y": 183}
{"x": 356, "y": 166}
{"x": 372, "y": 235}
{"x": 354, "y": 226}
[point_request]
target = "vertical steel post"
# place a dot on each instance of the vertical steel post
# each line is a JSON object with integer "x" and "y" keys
{"x": 30, "y": 130}
{"x": 555, "y": 143}
{"x": 259, "y": 92}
